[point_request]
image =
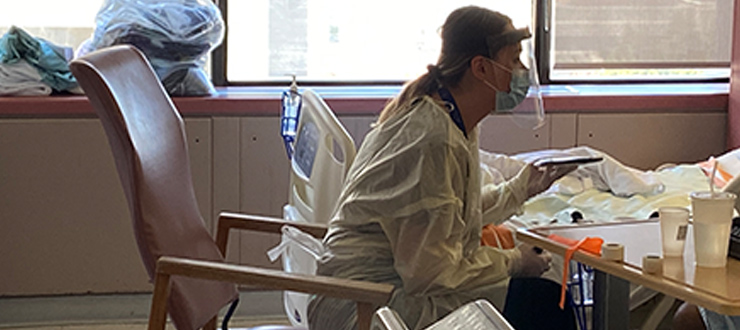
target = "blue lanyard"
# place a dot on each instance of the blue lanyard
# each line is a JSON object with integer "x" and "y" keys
{"x": 446, "y": 96}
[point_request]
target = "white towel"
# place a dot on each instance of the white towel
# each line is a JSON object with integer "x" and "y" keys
{"x": 21, "y": 79}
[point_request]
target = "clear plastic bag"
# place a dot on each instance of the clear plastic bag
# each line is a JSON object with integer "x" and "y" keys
{"x": 300, "y": 252}
{"x": 175, "y": 35}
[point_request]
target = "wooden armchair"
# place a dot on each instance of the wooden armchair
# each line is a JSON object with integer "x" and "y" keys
{"x": 146, "y": 134}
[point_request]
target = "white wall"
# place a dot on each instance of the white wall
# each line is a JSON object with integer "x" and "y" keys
{"x": 65, "y": 223}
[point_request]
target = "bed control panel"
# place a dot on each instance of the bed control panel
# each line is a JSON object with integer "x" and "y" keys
{"x": 735, "y": 239}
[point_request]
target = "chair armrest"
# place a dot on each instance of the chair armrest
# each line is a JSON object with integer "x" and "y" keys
{"x": 229, "y": 220}
{"x": 368, "y": 295}
{"x": 363, "y": 291}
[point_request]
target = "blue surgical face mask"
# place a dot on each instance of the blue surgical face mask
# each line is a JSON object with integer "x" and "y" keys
{"x": 518, "y": 88}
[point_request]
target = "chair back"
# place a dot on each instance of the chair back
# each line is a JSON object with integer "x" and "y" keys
{"x": 147, "y": 138}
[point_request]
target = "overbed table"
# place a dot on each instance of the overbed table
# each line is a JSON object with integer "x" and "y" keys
{"x": 717, "y": 289}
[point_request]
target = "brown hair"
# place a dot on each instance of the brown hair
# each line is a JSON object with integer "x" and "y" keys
{"x": 465, "y": 34}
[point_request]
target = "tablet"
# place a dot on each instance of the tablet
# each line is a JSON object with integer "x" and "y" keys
{"x": 567, "y": 160}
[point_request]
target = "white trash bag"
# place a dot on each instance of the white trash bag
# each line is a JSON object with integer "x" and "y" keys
{"x": 300, "y": 253}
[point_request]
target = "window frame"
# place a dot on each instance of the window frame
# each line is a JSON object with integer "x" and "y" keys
{"x": 543, "y": 45}
{"x": 542, "y": 22}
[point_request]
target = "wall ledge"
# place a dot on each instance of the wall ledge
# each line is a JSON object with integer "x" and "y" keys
{"x": 369, "y": 100}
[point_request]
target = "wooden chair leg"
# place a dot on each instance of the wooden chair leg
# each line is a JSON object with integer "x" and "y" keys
{"x": 364, "y": 315}
{"x": 158, "y": 312}
{"x": 211, "y": 325}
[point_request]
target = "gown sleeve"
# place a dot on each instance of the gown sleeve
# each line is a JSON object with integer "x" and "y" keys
{"x": 501, "y": 201}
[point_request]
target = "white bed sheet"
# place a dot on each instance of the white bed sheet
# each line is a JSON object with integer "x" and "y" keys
{"x": 603, "y": 206}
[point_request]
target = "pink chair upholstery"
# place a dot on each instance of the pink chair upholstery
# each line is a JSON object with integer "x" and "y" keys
{"x": 146, "y": 135}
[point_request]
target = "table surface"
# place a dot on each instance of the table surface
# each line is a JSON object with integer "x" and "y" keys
{"x": 717, "y": 289}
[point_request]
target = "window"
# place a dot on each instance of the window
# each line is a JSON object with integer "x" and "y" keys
{"x": 391, "y": 41}
{"x": 65, "y": 23}
{"x": 639, "y": 40}
{"x": 340, "y": 40}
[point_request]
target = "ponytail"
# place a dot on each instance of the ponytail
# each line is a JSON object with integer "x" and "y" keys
{"x": 426, "y": 84}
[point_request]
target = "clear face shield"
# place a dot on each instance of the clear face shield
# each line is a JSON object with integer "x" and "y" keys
{"x": 523, "y": 103}
{"x": 530, "y": 113}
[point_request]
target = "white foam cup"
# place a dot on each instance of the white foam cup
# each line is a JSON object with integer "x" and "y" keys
{"x": 674, "y": 222}
{"x": 712, "y": 220}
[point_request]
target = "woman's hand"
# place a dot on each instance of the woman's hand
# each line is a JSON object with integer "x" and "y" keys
{"x": 533, "y": 262}
{"x": 542, "y": 177}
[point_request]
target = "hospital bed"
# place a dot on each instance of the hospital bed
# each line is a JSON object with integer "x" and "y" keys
{"x": 320, "y": 151}
{"x": 610, "y": 191}
{"x": 623, "y": 194}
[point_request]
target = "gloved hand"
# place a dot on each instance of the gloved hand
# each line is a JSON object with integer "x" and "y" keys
{"x": 532, "y": 263}
{"x": 542, "y": 177}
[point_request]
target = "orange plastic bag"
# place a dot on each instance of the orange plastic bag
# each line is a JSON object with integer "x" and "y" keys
{"x": 587, "y": 244}
{"x": 497, "y": 236}
{"x": 591, "y": 245}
